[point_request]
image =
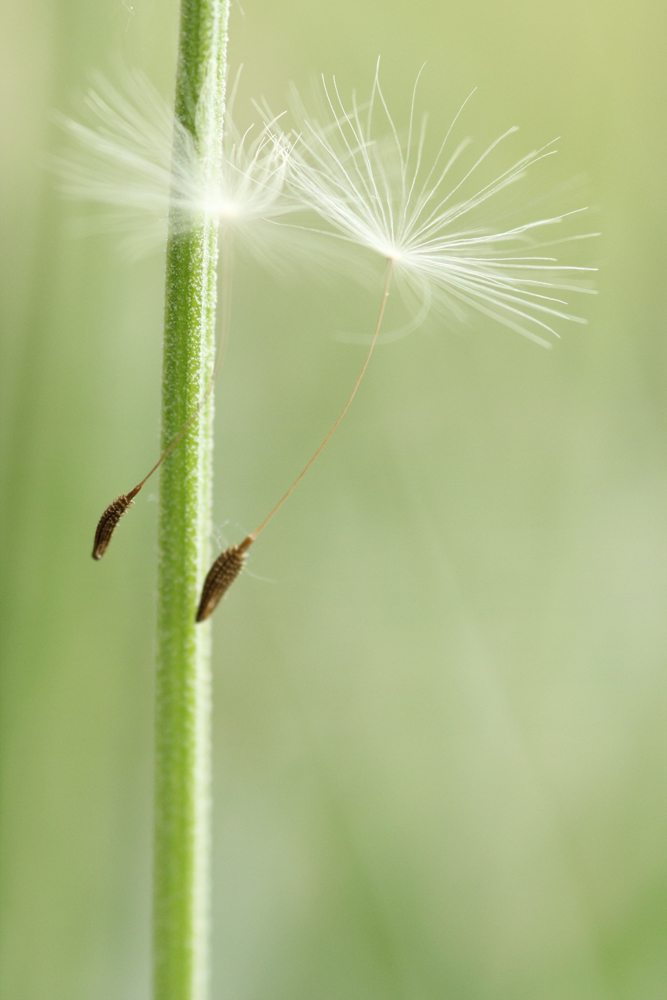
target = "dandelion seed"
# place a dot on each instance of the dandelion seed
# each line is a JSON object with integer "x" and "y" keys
{"x": 380, "y": 192}
{"x": 140, "y": 165}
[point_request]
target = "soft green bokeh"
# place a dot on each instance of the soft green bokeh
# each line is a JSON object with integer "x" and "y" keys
{"x": 439, "y": 732}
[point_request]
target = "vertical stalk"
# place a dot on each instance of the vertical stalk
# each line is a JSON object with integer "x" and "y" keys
{"x": 182, "y": 813}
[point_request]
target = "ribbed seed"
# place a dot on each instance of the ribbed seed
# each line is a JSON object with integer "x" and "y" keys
{"x": 220, "y": 577}
{"x": 107, "y": 523}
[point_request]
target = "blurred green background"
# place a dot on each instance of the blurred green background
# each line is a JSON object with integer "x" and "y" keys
{"x": 439, "y": 732}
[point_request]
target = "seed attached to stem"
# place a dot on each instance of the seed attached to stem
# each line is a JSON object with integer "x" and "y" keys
{"x": 221, "y": 576}
{"x": 114, "y": 512}
{"x": 229, "y": 563}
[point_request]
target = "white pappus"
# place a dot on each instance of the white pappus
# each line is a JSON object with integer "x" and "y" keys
{"x": 139, "y": 165}
{"x": 379, "y": 191}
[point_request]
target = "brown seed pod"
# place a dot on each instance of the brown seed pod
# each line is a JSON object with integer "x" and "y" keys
{"x": 221, "y": 576}
{"x": 107, "y": 523}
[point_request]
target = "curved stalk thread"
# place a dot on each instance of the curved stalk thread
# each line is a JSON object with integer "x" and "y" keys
{"x": 109, "y": 520}
{"x": 229, "y": 563}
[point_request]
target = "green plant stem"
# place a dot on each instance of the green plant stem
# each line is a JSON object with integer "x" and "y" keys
{"x": 183, "y": 703}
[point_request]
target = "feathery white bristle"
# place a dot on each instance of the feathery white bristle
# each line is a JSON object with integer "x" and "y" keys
{"x": 140, "y": 166}
{"x": 379, "y": 192}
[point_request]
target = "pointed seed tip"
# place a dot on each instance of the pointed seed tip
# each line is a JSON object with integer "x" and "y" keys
{"x": 108, "y": 522}
{"x": 220, "y": 577}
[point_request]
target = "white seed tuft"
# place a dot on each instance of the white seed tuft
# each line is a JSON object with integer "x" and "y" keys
{"x": 380, "y": 192}
{"x": 136, "y": 164}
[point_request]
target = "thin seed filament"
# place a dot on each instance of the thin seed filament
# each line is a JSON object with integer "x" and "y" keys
{"x": 229, "y": 563}
{"x": 108, "y": 522}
